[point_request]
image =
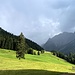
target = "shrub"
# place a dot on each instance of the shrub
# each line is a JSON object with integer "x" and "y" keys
{"x": 30, "y": 51}
{"x": 34, "y": 53}
{"x": 42, "y": 51}
{"x": 38, "y": 53}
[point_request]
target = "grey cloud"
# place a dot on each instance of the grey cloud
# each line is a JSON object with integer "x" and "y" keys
{"x": 58, "y": 4}
{"x": 67, "y": 20}
{"x": 37, "y": 19}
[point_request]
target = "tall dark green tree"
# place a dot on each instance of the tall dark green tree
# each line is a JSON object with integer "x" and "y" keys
{"x": 38, "y": 53}
{"x": 21, "y": 46}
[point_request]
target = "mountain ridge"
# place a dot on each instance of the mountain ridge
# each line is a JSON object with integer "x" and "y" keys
{"x": 61, "y": 42}
{"x": 8, "y": 40}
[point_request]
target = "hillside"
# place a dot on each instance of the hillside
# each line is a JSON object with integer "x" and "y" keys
{"x": 49, "y": 45}
{"x": 63, "y": 39}
{"x": 45, "y": 64}
{"x": 8, "y": 41}
{"x": 61, "y": 42}
{"x": 70, "y": 47}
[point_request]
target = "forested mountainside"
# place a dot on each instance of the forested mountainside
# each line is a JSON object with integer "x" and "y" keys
{"x": 8, "y": 41}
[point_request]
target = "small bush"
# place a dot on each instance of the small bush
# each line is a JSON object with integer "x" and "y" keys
{"x": 38, "y": 53}
{"x": 34, "y": 53}
{"x": 73, "y": 67}
{"x": 30, "y": 51}
{"x": 42, "y": 51}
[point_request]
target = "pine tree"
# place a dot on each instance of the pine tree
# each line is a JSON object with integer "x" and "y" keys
{"x": 21, "y": 46}
{"x": 38, "y": 53}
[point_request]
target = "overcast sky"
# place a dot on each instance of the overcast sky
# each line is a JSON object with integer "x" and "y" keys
{"x": 37, "y": 19}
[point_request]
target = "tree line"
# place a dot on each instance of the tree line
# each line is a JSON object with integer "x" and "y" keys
{"x": 22, "y": 48}
{"x": 9, "y": 41}
{"x": 19, "y": 43}
{"x": 68, "y": 57}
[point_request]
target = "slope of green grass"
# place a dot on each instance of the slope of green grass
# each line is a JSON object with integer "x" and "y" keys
{"x": 45, "y": 64}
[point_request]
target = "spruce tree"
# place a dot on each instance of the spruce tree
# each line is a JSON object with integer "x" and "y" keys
{"x": 21, "y": 46}
{"x": 38, "y": 53}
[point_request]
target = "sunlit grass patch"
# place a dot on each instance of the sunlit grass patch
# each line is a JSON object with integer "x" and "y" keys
{"x": 45, "y": 61}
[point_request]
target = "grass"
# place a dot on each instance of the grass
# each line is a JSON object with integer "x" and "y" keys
{"x": 29, "y": 72}
{"x": 45, "y": 64}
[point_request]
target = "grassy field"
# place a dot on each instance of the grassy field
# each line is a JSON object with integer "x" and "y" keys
{"x": 45, "y": 64}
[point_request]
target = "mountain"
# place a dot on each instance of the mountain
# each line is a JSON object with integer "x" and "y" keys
{"x": 49, "y": 45}
{"x": 63, "y": 38}
{"x": 8, "y": 41}
{"x": 63, "y": 42}
{"x": 68, "y": 48}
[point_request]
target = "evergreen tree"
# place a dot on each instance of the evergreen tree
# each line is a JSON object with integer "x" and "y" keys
{"x": 9, "y": 41}
{"x": 34, "y": 53}
{"x": 30, "y": 51}
{"x": 42, "y": 51}
{"x": 21, "y": 46}
{"x": 38, "y": 53}
{"x": 3, "y": 43}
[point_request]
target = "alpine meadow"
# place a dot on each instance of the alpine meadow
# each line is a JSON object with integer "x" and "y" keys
{"x": 29, "y": 60}
{"x": 45, "y": 64}
{"x": 37, "y": 37}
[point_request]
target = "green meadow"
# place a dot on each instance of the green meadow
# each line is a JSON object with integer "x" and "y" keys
{"x": 44, "y": 64}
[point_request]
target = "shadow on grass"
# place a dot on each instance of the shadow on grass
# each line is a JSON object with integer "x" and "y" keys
{"x": 31, "y": 72}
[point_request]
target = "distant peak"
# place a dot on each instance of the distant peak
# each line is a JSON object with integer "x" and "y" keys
{"x": 49, "y": 39}
{"x": 66, "y": 32}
